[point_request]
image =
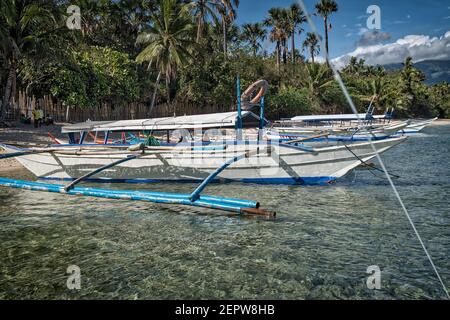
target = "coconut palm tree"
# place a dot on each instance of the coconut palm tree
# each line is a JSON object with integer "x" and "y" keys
{"x": 312, "y": 44}
{"x": 324, "y": 9}
{"x": 316, "y": 78}
{"x": 215, "y": 36}
{"x": 122, "y": 22}
{"x": 168, "y": 41}
{"x": 296, "y": 18}
{"x": 278, "y": 34}
{"x": 202, "y": 9}
{"x": 376, "y": 89}
{"x": 253, "y": 33}
{"x": 226, "y": 9}
{"x": 352, "y": 67}
{"x": 410, "y": 83}
{"x": 286, "y": 28}
{"x": 23, "y": 25}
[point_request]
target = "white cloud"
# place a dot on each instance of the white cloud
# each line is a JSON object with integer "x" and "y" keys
{"x": 317, "y": 59}
{"x": 362, "y": 31}
{"x": 419, "y": 47}
{"x": 372, "y": 37}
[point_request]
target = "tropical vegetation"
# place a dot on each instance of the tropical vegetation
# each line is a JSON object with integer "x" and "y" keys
{"x": 190, "y": 51}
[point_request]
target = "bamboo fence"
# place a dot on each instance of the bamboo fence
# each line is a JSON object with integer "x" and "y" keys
{"x": 24, "y": 105}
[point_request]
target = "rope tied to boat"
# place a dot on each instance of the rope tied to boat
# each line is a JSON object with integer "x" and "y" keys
{"x": 343, "y": 87}
{"x": 369, "y": 166}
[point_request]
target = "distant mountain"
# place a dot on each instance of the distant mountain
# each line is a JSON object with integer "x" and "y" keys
{"x": 435, "y": 70}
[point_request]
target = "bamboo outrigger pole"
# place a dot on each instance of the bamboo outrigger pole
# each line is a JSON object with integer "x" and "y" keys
{"x": 196, "y": 194}
{"x": 237, "y": 206}
{"x": 98, "y": 170}
{"x": 307, "y": 138}
{"x": 194, "y": 199}
{"x": 27, "y": 152}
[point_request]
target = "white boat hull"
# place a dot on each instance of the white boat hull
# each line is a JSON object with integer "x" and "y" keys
{"x": 417, "y": 126}
{"x": 336, "y": 134}
{"x": 282, "y": 165}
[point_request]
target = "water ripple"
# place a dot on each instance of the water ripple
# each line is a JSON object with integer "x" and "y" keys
{"x": 319, "y": 248}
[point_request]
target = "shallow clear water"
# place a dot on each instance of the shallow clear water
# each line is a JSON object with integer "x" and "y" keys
{"x": 319, "y": 247}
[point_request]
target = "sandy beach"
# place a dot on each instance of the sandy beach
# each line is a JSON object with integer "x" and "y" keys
{"x": 25, "y": 135}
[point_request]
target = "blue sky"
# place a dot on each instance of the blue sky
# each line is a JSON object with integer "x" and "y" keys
{"x": 399, "y": 19}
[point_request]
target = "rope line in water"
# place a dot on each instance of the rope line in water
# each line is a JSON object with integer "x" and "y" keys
{"x": 354, "y": 110}
{"x": 368, "y": 166}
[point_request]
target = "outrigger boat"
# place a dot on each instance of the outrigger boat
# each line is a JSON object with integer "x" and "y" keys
{"x": 246, "y": 160}
{"x": 361, "y": 133}
{"x": 290, "y": 162}
{"x": 339, "y": 120}
{"x": 342, "y": 125}
{"x": 415, "y": 126}
{"x": 275, "y": 162}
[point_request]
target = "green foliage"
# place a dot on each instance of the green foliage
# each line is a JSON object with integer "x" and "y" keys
{"x": 211, "y": 81}
{"x": 184, "y": 42}
{"x": 99, "y": 74}
{"x": 311, "y": 43}
{"x": 254, "y": 34}
{"x": 289, "y": 102}
{"x": 440, "y": 97}
{"x": 70, "y": 87}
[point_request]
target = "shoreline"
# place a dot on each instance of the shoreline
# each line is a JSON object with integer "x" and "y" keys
{"x": 19, "y": 133}
{"x": 10, "y": 165}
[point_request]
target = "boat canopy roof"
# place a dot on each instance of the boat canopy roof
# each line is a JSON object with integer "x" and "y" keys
{"x": 202, "y": 121}
{"x": 83, "y": 126}
{"x": 337, "y": 117}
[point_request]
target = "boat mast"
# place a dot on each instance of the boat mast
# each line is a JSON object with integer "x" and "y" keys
{"x": 261, "y": 114}
{"x": 239, "y": 110}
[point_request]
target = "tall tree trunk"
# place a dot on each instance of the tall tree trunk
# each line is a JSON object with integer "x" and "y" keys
{"x": 284, "y": 50}
{"x": 300, "y": 54}
{"x": 278, "y": 54}
{"x": 293, "y": 47}
{"x": 168, "y": 94}
{"x": 327, "y": 52}
{"x": 67, "y": 113}
{"x": 312, "y": 54}
{"x": 199, "y": 29}
{"x": 225, "y": 46}
{"x": 8, "y": 90}
{"x": 13, "y": 88}
{"x": 158, "y": 78}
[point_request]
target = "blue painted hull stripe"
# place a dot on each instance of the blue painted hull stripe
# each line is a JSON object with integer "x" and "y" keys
{"x": 287, "y": 137}
{"x": 285, "y": 181}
